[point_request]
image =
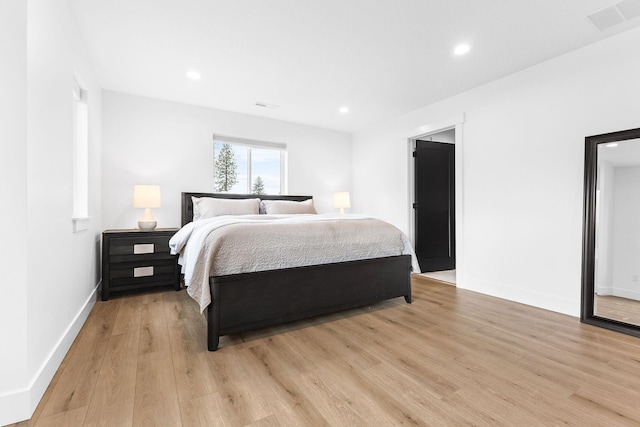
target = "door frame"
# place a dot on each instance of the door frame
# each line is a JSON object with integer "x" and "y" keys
{"x": 425, "y": 131}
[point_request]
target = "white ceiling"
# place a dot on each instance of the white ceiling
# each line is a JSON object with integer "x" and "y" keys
{"x": 381, "y": 58}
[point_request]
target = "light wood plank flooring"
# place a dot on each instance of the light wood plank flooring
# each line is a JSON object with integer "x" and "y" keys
{"x": 453, "y": 357}
{"x": 622, "y": 309}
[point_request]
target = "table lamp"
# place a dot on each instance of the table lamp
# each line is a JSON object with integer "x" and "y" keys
{"x": 341, "y": 200}
{"x": 146, "y": 197}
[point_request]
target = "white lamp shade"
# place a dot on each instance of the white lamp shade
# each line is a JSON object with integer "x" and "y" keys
{"x": 146, "y": 196}
{"x": 341, "y": 200}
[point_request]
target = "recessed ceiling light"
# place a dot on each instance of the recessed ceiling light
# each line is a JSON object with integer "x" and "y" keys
{"x": 193, "y": 75}
{"x": 461, "y": 49}
{"x": 344, "y": 110}
{"x": 611, "y": 144}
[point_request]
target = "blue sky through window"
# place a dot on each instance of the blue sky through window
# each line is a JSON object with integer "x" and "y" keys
{"x": 265, "y": 163}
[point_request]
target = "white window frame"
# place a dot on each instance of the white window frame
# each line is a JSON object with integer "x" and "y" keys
{"x": 252, "y": 143}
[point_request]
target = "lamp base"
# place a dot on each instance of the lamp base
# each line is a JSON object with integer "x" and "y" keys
{"x": 147, "y": 222}
{"x": 147, "y": 225}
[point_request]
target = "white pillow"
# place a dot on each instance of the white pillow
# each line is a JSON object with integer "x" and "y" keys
{"x": 289, "y": 207}
{"x": 207, "y": 207}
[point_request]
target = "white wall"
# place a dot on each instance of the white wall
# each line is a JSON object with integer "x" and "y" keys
{"x": 52, "y": 272}
{"x": 523, "y": 155}
{"x": 170, "y": 144}
{"x": 604, "y": 253}
{"x": 13, "y": 193}
{"x": 626, "y": 233}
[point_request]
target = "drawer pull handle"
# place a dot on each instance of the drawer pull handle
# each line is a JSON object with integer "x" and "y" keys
{"x": 143, "y": 271}
{"x": 146, "y": 248}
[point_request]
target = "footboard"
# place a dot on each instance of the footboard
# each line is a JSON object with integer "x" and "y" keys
{"x": 242, "y": 302}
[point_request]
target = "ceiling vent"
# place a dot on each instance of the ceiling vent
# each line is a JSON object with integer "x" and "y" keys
{"x": 629, "y": 8}
{"x": 615, "y": 14}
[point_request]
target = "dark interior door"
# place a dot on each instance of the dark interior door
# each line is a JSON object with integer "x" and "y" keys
{"x": 435, "y": 206}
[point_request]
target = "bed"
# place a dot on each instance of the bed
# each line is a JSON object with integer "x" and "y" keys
{"x": 241, "y": 302}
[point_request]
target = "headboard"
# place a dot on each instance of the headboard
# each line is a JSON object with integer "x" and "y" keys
{"x": 187, "y": 203}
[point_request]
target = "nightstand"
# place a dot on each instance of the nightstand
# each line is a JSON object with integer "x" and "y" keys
{"x": 134, "y": 259}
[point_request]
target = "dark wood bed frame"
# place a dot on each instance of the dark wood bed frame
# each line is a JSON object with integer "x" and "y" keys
{"x": 248, "y": 301}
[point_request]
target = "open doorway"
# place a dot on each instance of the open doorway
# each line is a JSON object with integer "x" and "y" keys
{"x": 434, "y": 205}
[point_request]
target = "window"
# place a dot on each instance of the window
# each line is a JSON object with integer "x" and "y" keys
{"x": 80, "y": 157}
{"x": 247, "y": 166}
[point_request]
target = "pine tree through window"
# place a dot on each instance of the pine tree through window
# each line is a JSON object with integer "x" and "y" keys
{"x": 243, "y": 166}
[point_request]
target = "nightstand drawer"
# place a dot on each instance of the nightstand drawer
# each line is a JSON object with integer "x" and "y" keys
{"x": 141, "y": 269}
{"x": 138, "y": 245}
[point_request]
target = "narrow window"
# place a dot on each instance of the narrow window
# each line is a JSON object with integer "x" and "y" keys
{"x": 80, "y": 157}
{"x": 247, "y": 166}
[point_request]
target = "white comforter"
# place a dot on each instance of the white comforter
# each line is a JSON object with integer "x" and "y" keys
{"x": 241, "y": 244}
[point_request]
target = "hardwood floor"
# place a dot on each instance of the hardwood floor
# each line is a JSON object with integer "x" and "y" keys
{"x": 622, "y": 309}
{"x": 453, "y": 357}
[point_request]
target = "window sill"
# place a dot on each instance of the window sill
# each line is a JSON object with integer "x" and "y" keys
{"x": 81, "y": 224}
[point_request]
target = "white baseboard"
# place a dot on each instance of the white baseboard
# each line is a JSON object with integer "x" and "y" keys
{"x": 626, "y": 293}
{"x": 525, "y": 296}
{"x": 20, "y": 405}
{"x": 604, "y": 290}
{"x": 15, "y": 407}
